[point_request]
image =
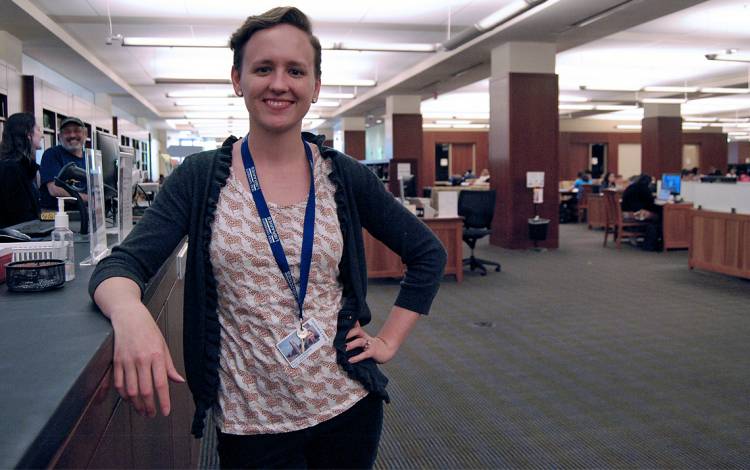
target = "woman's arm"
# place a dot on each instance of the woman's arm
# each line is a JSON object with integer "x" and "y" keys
{"x": 142, "y": 364}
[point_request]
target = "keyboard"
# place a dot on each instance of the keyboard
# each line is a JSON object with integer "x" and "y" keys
{"x": 35, "y": 228}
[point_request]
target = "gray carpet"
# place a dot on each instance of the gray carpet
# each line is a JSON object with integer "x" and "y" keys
{"x": 581, "y": 357}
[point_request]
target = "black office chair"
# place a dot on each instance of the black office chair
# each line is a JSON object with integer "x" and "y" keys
{"x": 477, "y": 208}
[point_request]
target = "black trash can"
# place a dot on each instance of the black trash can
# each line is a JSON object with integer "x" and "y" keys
{"x": 538, "y": 229}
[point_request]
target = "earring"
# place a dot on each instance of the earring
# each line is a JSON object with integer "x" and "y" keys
{"x": 238, "y": 93}
{"x": 315, "y": 100}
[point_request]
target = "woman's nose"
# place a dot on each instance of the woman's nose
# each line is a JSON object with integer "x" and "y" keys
{"x": 279, "y": 81}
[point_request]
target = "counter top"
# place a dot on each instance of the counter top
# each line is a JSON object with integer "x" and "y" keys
{"x": 55, "y": 348}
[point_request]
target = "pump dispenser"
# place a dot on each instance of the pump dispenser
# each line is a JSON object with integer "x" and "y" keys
{"x": 63, "y": 240}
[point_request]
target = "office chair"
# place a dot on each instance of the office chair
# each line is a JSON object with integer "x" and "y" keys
{"x": 477, "y": 209}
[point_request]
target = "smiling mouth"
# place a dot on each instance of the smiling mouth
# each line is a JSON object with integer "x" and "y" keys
{"x": 278, "y": 104}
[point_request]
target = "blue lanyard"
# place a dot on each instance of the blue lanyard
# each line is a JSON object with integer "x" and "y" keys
{"x": 273, "y": 236}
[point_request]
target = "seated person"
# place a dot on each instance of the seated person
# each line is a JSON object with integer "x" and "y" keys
{"x": 608, "y": 182}
{"x": 639, "y": 200}
{"x": 484, "y": 178}
{"x": 19, "y": 195}
{"x": 72, "y": 139}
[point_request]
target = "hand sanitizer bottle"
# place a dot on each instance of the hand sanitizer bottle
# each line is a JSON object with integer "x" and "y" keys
{"x": 63, "y": 240}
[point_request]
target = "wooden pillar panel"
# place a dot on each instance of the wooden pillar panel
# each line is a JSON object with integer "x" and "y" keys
{"x": 407, "y": 136}
{"x": 354, "y": 144}
{"x": 523, "y": 137}
{"x": 661, "y": 140}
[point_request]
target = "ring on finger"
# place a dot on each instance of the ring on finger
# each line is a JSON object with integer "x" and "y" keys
{"x": 367, "y": 345}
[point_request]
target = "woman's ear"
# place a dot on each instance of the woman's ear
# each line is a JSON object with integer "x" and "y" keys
{"x": 236, "y": 81}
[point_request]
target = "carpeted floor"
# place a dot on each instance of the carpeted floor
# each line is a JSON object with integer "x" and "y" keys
{"x": 576, "y": 357}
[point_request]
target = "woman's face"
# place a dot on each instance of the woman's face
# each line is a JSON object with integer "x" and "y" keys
{"x": 36, "y": 138}
{"x": 277, "y": 79}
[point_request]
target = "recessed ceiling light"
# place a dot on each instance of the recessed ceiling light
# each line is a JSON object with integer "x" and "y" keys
{"x": 629, "y": 126}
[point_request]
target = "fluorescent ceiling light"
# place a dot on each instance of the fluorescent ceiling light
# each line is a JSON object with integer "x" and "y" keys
{"x": 209, "y": 102}
{"x": 202, "y": 93}
{"x": 572, "y": 99}
{"x": 604, "y": 13}
{"x": 629, "y": 126}
{"x": 471, "y": 126}
{"x": 348, "y": 82}
{"x": 460, "y": 115}
{"x": 719, "y": 90}
{"x": 222, "y": 43}
{"x": 691, "y": 127}
{"x": 240, "y": 114}
{"x": 225, "y": 81}
{"x": 336, "y": 96}
{"x": 614, "y": 107}
{"x": 671, "y": 89}
{"x": 173, "y": 42}
{"x": 435, "y": 126}
{"x": 576, "y": 107}
{"x": 700, "y": 119}
{"x": 452, "y": 122}
{"x": 664, "y": 100}
{"x": 734, "y": 119}
{"x": 737, "y": 133}
{"x": 379, "y": 47}
{"x": 608, "y": 88}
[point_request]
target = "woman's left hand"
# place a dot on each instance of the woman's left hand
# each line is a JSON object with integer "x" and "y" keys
{"x": 373, "y": 347}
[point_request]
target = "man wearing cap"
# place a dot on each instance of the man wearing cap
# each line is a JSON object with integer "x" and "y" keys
{"x": 72, "y": 138}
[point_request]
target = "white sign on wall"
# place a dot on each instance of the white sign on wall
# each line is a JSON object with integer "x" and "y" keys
{"x": 534, "y": 179}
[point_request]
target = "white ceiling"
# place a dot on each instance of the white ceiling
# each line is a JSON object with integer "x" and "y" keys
{"x": 628, "y": 48}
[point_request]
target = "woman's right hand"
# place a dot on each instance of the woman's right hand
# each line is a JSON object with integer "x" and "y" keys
{"x": 142, "y": 363}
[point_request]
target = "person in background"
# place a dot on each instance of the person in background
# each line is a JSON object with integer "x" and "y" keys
{"x": 161, "y": 179}
{"x": 19, "y": 195}
{"x": 243, "y": 309}
{"x": 483, "y": 178}
{"x": 743, "y": 177}
{"x": 609, "y": 181}
{"x": 639, "y": 199}
{"x": 72, "y": 137}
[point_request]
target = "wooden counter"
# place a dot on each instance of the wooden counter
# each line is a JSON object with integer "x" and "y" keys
{"x": 720, "y": 243}
{"x": 677, "y": 224}
{"x": 59, "y": 409}
{"x": 382, "y": 262}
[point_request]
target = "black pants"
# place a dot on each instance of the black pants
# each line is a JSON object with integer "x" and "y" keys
{"x": 350, "y": 440}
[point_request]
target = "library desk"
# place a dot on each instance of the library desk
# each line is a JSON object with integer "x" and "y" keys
{"x": 382, "y": 262}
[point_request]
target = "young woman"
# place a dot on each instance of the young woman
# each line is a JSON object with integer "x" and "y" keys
{"x": 276, "y": 278}
{"x": 609, "y": 181}
{"x": 19, "y": 194}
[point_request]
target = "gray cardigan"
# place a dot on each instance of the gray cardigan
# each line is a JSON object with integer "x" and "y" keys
{"x": 185, "y": 206}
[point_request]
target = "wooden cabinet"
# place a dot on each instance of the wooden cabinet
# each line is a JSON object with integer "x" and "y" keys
{"x": 109, "y": 433}
{"x": 382, "y": 262}
{"x": 676, "y": 225}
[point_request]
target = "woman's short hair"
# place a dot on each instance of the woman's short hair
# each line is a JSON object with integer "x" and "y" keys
{"x": 273, "y": 17}
{"x": 15, "y": 143}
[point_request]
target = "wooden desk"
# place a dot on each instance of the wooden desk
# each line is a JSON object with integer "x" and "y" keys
{"x": 677, "y": 225}
{"x": 720, "y": 243}
{"x": 382, "y": 262}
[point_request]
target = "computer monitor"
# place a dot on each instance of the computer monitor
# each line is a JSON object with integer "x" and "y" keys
{"x": 109, "y": 145}
{"x": 672, "y": 182}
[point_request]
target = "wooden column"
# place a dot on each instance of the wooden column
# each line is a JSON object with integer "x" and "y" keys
{"x": 661, "y": 141}
{"x": 354, "y": 144}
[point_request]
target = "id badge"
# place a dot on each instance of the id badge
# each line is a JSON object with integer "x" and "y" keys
{"x": 300, "y": 343}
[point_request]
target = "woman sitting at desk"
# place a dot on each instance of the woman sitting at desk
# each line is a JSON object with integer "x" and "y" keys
{"x": 19, "y": 195}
